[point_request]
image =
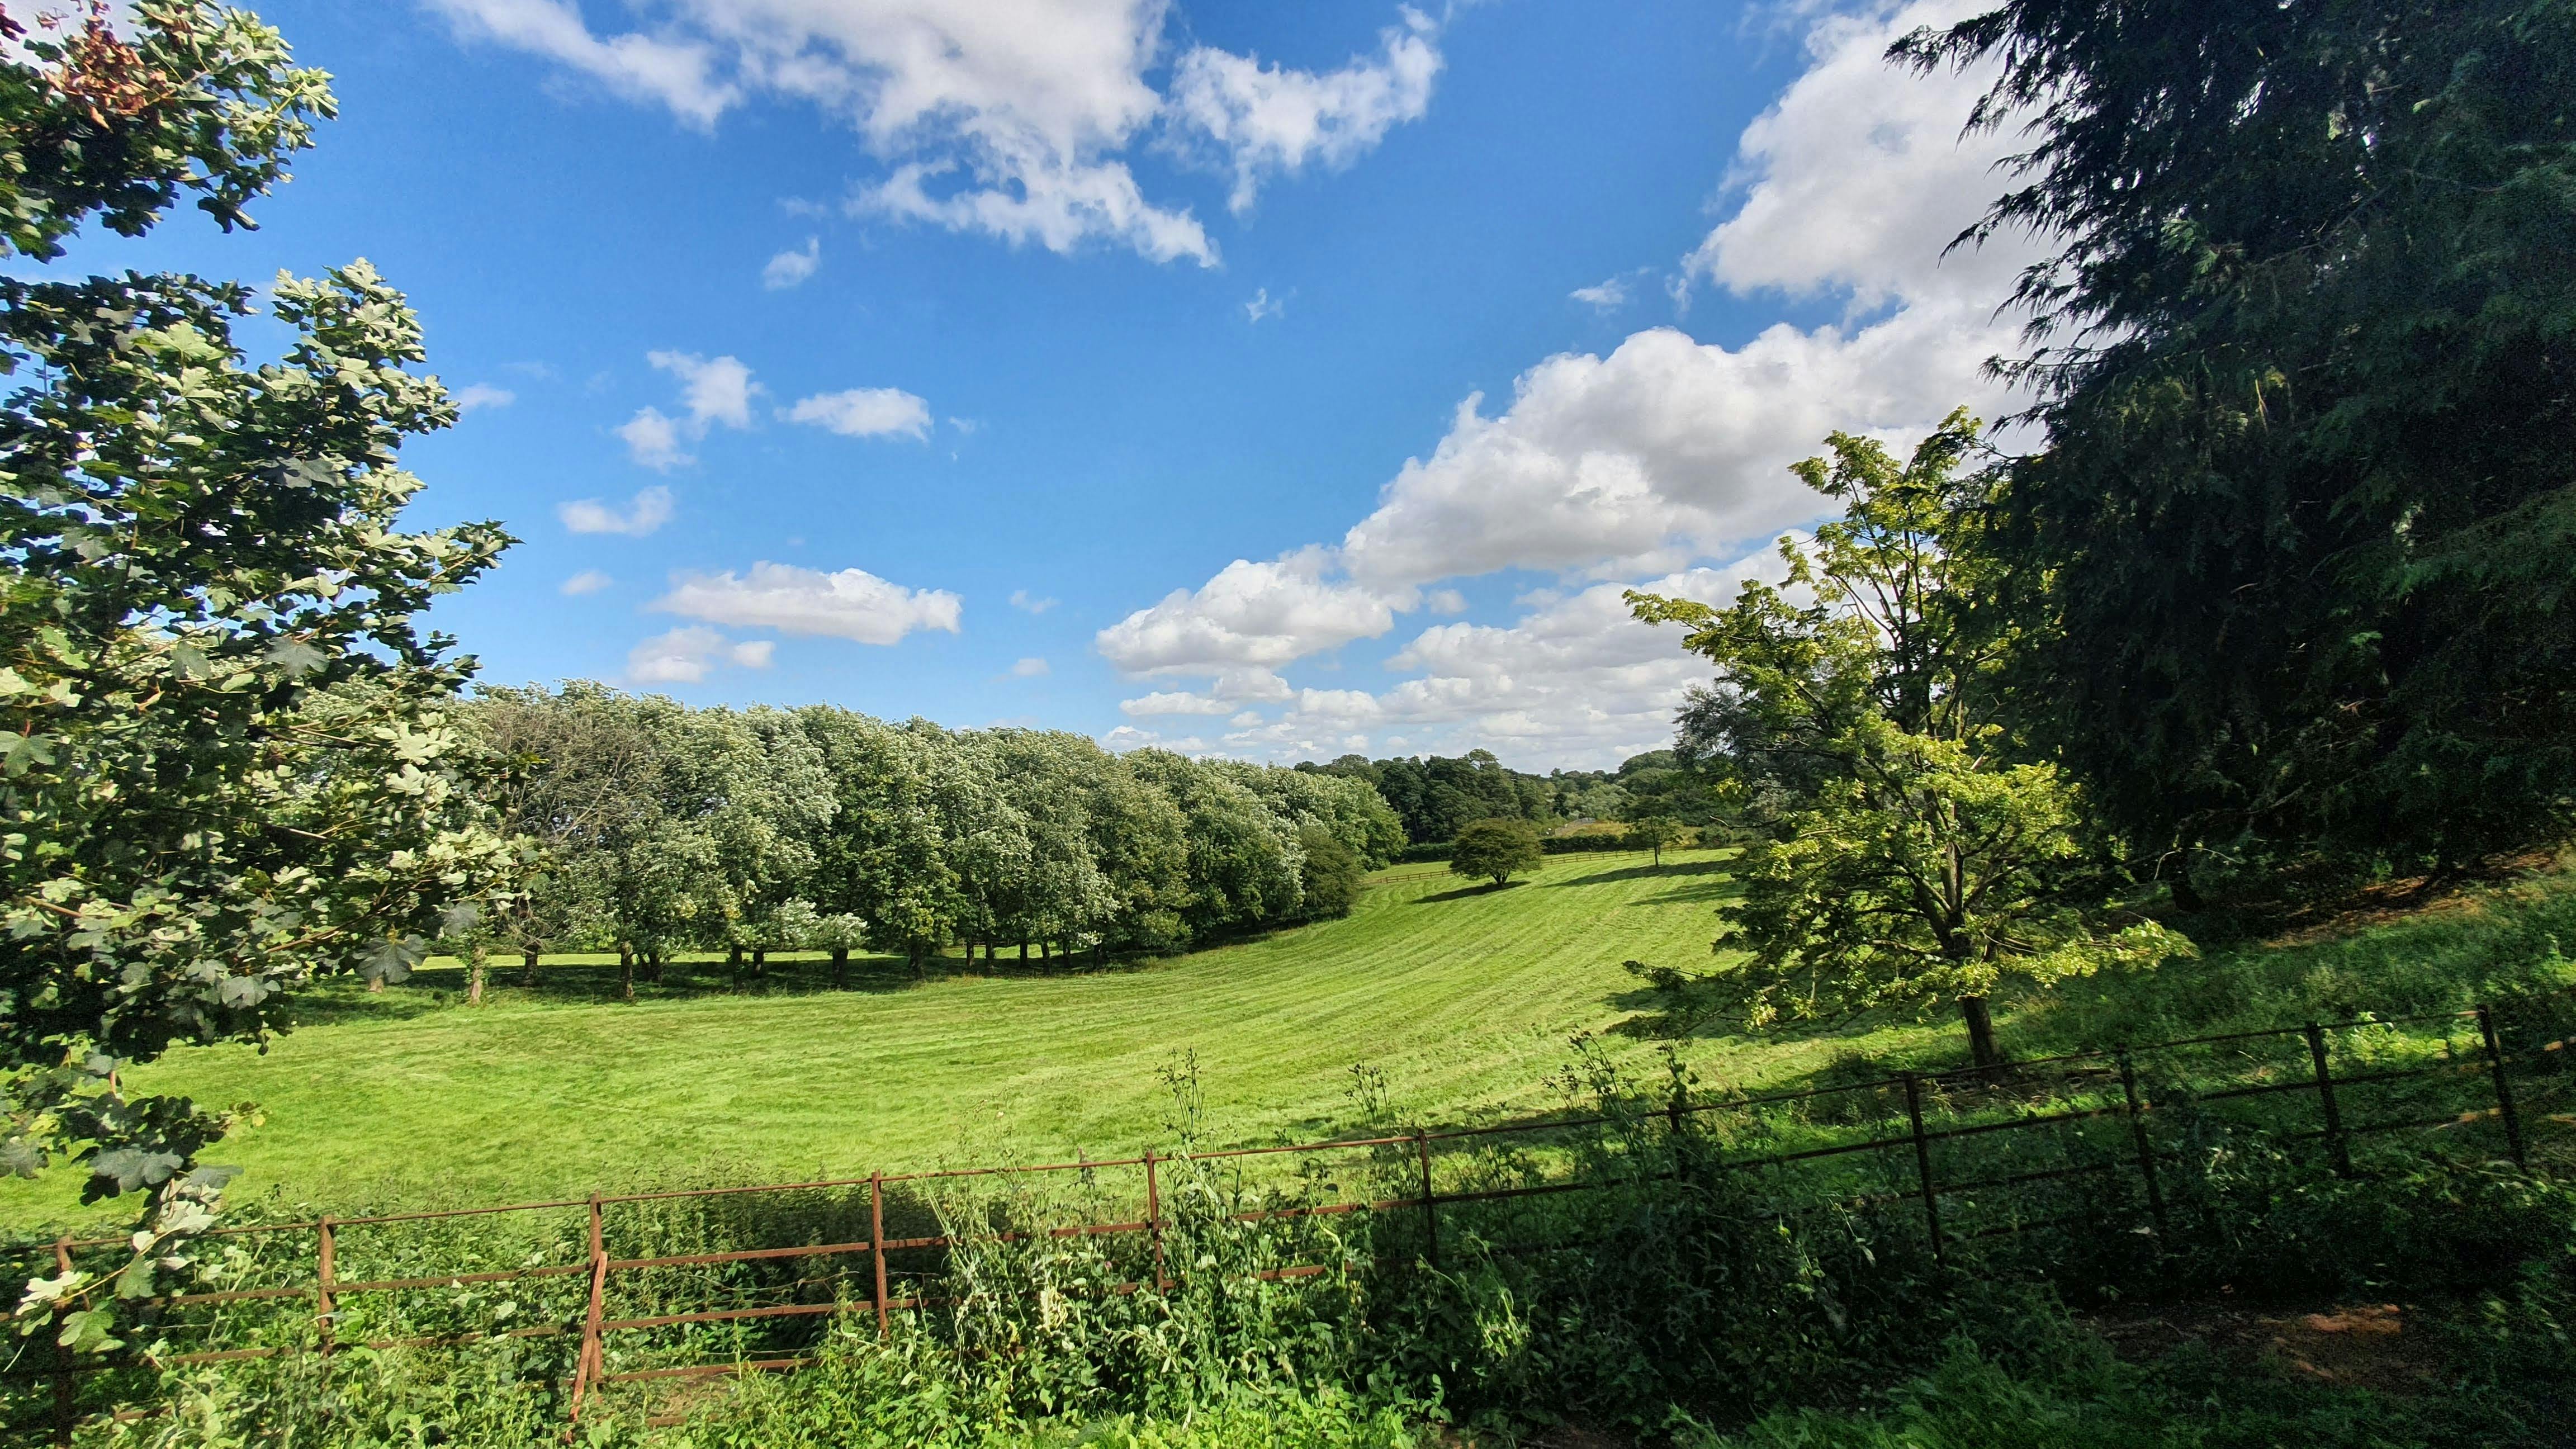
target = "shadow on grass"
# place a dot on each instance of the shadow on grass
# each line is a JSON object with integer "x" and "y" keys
{"x": 1465, "y": 891}
{"x": 442, "y": 986}
{"x": 1679, "y": 869}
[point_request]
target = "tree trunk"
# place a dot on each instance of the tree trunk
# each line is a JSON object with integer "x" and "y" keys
{"x": 919, "y": 971}
{"x": 1024, "y": 953}
{"x": 653, "y": 967}
{"x": 1981, "y": 1032}
{"x": 840, "y": 968}
{"x": 2183, "y": 894}
{"x": 626, "y": 970}
{"x": 528, "y": 966}
{"x": 733, "y": 963}
{"x": 375, "y": 984}
{"x": 760, "y": 960}
{"x": 474, "y": 977}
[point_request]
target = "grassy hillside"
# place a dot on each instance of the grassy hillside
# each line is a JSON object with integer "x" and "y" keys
{"x": 1462, "y": 997}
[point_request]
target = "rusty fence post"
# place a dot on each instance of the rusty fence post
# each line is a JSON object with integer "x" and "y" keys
{"x": 326, "y": 1278}
{"x": 2146, "y": 1149}
{"x": 2503, "y": 1085}
{"x": 2326, "y": 1099}
{"x": 592, "y": 1362}
{"x": 1923, "y": 1168}
{"x": 66, "y": 1386}
{"x": 876, "y": 1242}
{"x": 1154, "y": 1221}
{"x": 1430, "y": 1203}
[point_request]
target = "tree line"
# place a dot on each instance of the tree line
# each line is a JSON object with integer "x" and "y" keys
{"x": 648, "y": 828}
{"x": 1438, "y": 797}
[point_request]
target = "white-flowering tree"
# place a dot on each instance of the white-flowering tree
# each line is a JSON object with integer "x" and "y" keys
{"x": 232, "y": 761}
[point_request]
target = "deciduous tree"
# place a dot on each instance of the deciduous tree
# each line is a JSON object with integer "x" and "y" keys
{"x": 232, "y": 756}
{"x": 1495, "y": 850}
{"x": 1908, "y": 855}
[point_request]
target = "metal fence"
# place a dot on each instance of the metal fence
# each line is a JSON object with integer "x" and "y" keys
{"x": 2038, "y": 1145}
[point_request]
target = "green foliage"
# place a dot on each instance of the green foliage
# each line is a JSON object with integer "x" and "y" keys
{"x": 1495, "y": 850}
{"x": 192, "y": 98}
{"x": 2298, "y": 547}
{"x": 1334, "y": 875}
{"x": 1908, "y": 856}
{"x": 232, "y": 762}
{"x": 653, "y": 829}
{"x": 1653, "y": 833}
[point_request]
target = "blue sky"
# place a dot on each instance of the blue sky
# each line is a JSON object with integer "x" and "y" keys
{"x": 1257, "y": 379}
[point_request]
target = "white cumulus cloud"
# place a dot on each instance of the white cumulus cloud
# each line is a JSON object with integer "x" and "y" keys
{"x": 1162, "y": 702}
{"x": 712, "y": 390}
{"x": 688, "y": 656}
{"x": 588, "y": 581}
{"x": 475, "y": 397}
{"x": 1644, "y": 462}
{"x": 680, "y": 74}
{"x": 1257, "y": 615}
{"x": 1031, "y": 668}
{"x": 864, "y": 412}
{"x": 1010, "y": 118}
{"x": 1273, "y": 120}
{"x": 643, "y": 513}
{"x": 850, "y": 604}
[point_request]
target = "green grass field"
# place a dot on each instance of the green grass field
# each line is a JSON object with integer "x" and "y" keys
{"x": 1463, "y": 997}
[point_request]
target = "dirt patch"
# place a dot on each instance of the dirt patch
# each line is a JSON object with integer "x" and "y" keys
{"x": 2385, "y": 901}
{"x": 2358, "y": 1345}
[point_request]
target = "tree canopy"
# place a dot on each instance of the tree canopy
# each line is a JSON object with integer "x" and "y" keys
{"x": 665, "y": 829}
{"x": 232, "y": 760}
{"x": 2297, "y": 545}
{"x": 1908, "y": 853}
{"x": 1495, "y": 850}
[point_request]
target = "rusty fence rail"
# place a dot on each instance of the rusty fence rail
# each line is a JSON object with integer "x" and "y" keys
{"x": 1956, "y": 1144}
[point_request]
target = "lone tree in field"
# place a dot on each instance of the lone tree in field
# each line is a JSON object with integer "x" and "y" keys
{"x": 231, "y": 759}
{"x": 1494, "y": 850}
{"x": 1908, "y": 856}
{"x": 1653, "y": 832}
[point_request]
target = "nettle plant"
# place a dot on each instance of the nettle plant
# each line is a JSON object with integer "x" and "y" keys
{"x": 229, "y": 760}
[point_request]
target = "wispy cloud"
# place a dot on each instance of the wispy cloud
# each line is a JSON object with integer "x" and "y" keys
{"x": 851, "y": 604}
{"x": 643, "y": 513}
{"x": 791, "y": 269}
{"x": 712, "y": 390}
{"x": 688, "y": 656}
{"x": 864, "y": 412}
